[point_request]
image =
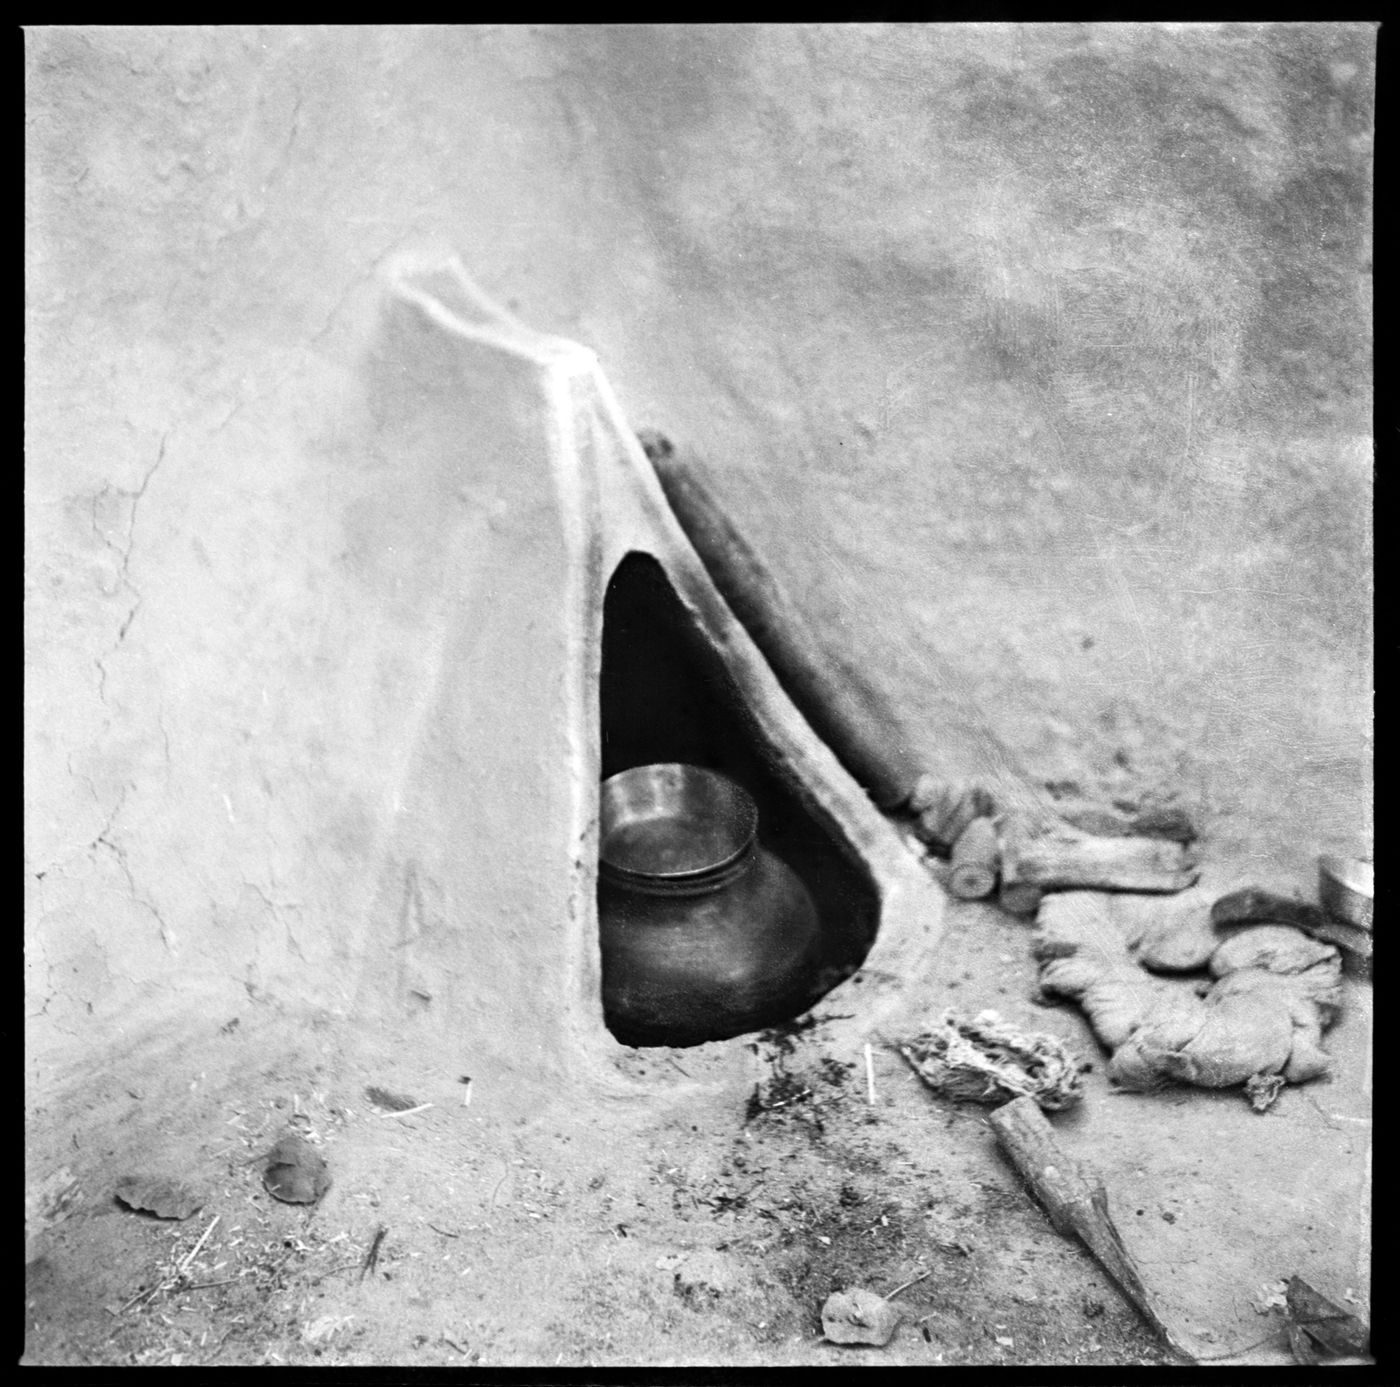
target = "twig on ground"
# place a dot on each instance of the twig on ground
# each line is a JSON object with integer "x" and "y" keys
{"x": 344, "y": 1266}
{"x": 168, "y": 1281}
{"x": 499, "y": 1183}
{"x": 783, "y": 1102}
{"x": 194, "y": 1251}
{"x": 408, "y": 1112}
{"x": 140, "y": 1295}
{"x": 870, "y": 1073}
{"x": 372, "y": 1256}
{"x": 907, "y": 1284}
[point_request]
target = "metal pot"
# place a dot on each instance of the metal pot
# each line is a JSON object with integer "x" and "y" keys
{"x": 705, "y": 934}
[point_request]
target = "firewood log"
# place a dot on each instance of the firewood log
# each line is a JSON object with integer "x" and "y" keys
{"x": 1075, "y": 1199}
{"x": 844, "y": 708}
{"x": 1054, "y": 856}
{"x": 975, "y": 861}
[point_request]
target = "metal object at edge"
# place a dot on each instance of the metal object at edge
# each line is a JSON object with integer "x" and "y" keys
{"x": 1346, "y": 887}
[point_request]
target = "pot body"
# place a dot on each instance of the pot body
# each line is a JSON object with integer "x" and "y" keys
{"x": 714, "y": 961}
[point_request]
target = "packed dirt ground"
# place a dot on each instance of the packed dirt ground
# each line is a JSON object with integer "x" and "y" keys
{"x": 706, "y": 1225}
{"x": 711, "y": 1237}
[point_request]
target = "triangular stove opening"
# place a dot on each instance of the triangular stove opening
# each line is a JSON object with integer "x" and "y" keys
{"x": 666, "y": 696}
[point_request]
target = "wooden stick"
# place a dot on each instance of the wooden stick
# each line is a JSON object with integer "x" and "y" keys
{"x": 1054, "y": 856}
{"x": 1088, "y": 816}
{"x": 1166, "y": 821}
{"x": 1254, "y": 906}
{"x": 372, "y": 1256}
{"x": 913, "y": 1282}
{"x": 870, "y": 1073}
{"x": 344, "y": 1266}
{"x": 141, "y": 1295}
{"x": 1074, "y": 1197}
{"x": 1019, "y": 899}
{"x": 179, "y": 1271}
{"x": 976, "y": 858}
{"x": 835, "y": 696}
{"x": 194, "y": 1251}
{"x": 944, "y": 810}
{"x": 407, "y": 1112}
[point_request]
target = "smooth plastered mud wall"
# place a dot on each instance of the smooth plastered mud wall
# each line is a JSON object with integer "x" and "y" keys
{"x": 1035, "y": 360}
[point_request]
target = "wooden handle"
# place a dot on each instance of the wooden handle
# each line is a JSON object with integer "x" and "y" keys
{"x": 844, "y": 710}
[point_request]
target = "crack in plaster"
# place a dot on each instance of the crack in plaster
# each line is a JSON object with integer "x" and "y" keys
{"x": 60, "y": 864}
{"x": 272, "y": 907}
{"x": 167, "y": 936}
{"x": 165, "y": 740}
{"x": 123, "y": 576}
{"x": 50, "y": 990}
{"x": 291, "y": 136}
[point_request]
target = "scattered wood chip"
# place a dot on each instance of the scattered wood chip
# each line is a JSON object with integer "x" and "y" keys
{"x": 296, "y": 1171}
{"x": 856, "y": 1316}
{"x": 165, "y": 1198}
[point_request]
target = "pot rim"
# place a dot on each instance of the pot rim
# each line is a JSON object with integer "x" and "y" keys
{"x": 660, "y": 791}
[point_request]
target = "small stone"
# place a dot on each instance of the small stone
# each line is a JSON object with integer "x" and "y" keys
{"x": 856, "y": 1316}
{"x": 296, "y": 1171}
